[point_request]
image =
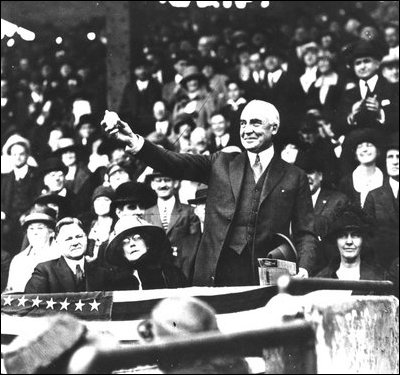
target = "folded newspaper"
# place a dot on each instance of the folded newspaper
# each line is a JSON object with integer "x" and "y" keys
{"x": 269, "y": 270}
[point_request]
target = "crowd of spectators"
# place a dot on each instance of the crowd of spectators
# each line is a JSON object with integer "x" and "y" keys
{"x": 333, "y": 76}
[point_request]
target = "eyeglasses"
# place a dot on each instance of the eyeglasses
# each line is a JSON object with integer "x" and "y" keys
{"x": 134, "y": 238}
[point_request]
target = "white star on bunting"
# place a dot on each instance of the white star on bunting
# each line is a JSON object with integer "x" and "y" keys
{"x": 50, "y": 304}
{"x": 22, "y": 301}
{"x": 8, "y": 300}
{"x": 79, "y": 305}
{"x": 36, "y": 301}
{"x": 64, "y": 305}
{"x": 94, "y": 305}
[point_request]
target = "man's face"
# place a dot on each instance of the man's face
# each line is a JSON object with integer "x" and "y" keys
{"x": 244, "y": 58}
{"x": 72, "y": 241}
{"x": 69, "y": 158}
{"x": 164, "y": 187}
{"x": 54, "y": 180}
{"x": 134, "y": 247}
{"x": 391, "y": 37}
{"x": 141, "y": 73}
{"x": 192, "y": 85}
{"x": 366, "y": 153}
{"x": 86, "y": 130}
{"x": 314, "y": 181}
{"x": 218, "y": 125}
{"x": 65, "y": 70}
{"x": 184, "y": 131}
{"x": 180, "y": 66}
{"x": 392, "y": 163}
{"x": 349, "y": 244}
{"x": 256, "y": 129}
{"x": 39, "y": 235}
{"x": 309, "y": 137}
{"x": 130, "y": 209}
{"x": 272, "y": 63}
{"x": 391, "y": 72}
{"x": 324, "y": 64}
{"x": 19, "y": 155}
{"x": 255, "y": 62}
{"x": 233, "y": 91}
{"x": 366, "y": 67}
{"x": 118, "y": 178}
{"x": 208, "y": 71}
{"x": 310, "y": 58}
{"x": 326, "y": 41}
{"x": 117, "y": 155}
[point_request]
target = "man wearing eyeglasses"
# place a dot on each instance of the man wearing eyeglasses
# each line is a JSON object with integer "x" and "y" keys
{"x": 251, "y": 196}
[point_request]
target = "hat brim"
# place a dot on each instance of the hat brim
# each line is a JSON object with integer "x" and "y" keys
{"x": 39, "y": 218}
{"x": 53, "y": 198}
{"x": 284, "y": 248}
{"x": 147, "y": 203}
{"x": 60, "y": 151}
{"x": 197, "y": 200}
{"x": 198, "y": 76}
{"x": 153, "y": 234}
{"x": 335, "y": 231}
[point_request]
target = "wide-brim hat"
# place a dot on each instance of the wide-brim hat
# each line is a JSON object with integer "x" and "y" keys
{"x": 135, "y": 192}
{"x": 127, "y": 226}
{"x": 56, "y": 199}
{"x": 108, "y": 145}
{"x": 390, "y": 59}
{"x": 370, "y": 135}
{"x": 103, "y": 191}
{"x": 13, "y": 140}
{"x": 281, "y": 247}
{"x": 65, "y": 145}
{"x": 184, "y": 119}
{"x": 52, "y": 164}
{"x": 200, "y": 196}
{"x": 40, "y": 215}
{"x": 192, "y": 72}
{"x": 149, "y": 177}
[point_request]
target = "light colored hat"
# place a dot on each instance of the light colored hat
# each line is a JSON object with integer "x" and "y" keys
{"x": 13, "y": 140}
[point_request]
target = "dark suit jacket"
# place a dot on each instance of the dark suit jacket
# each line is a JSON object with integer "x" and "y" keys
{"x": 213, "y": 146}
{"x": 54, "y": 276}
{"x": 387, "y": 95}
{"x": 183, "y": 231}
{"x": 285, "y": 200}
{"x": 383, "y": 208}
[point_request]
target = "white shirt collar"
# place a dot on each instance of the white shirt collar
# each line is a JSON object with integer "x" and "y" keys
{"x": 371, "y": 84}
{"x": 20, "y": 173}
{"x": 235, "y": 105}
{"x": 265, "y": 157}
{"x": 169, "y": 204}
{"x": 274, "y": 76}
{"x": 72, "y": 263}
{"x": 344, "y": 273}
{"x": 222, "y": 140}
{"x": 394, "y": 185}
{"x": 142, "y": 85}
{"x": 178, "y": 79}
{"x": 63, "y": 192}
{"x": 71, "y": 172}
{"x": 315, "y": 196}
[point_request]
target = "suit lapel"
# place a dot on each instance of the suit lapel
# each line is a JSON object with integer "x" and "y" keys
{"x": 236, "y": 173}
{"x": 389, "y": 197}
{"x": 65, "y": 275}
{"x": 321, "y": 202}
{"x": 175, "y": 214}
{"x": 274, "y": 175}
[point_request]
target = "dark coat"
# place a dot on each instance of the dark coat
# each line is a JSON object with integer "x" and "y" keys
{"x": 213, "y": 146}
{"x": 383, "y": 208}
{"x": 183, "y": 232}
{"x": 387, "y": 95}
{"x": 285, "y": 199}
{"x": 54, "y": 276}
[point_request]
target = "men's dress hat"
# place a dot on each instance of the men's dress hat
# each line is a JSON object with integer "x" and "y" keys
{"x": 149, "y": 177}
{"x": 52, "y": 164}
{"x": 41, "y": 214}
{"x": 130, "y": 225}
{"x": 65, "y": 145}
{"x": 135, "y": 192}
{"x": 364, "y": 48}
{"x": 86, "y": 119}
{"x": 310, "y": 164}
{"x": 103, "y": 191}
{"x": 57, "y": 199}
{"x": 192, "y": 72}
{"x": 116, "y": 167}
{"x": 13, "y": 140}
{"x": 184, "y": 119}
{"x": 281, "y": 247}
{"x": 275, "y": 50}
{"x": 390, "y": 59}
{"x": 108, "y": 145}
{"x": 392, "y": 143}
{"x": 200, "y": 196}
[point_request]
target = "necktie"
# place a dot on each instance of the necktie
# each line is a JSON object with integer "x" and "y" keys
{"x": 271, "y": 80}
{"x": 164, "y": 218}
{"x": 368, "y": 91}
{"x": 79, "y": 278}
{"x": 257, "y": 168}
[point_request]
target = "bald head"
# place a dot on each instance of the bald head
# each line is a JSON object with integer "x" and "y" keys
{"x": 259, "y": 121}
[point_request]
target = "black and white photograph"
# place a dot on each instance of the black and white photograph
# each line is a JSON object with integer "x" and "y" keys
{"x": 199, "y": 187}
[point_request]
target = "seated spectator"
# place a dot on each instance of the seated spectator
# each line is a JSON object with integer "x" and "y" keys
{"x": 220, "y": 136}
{"x": 216, "y": 81}
{"x": 382, "y": 206}
{"x": 39, "y": 225}
{"x": 71, "y": 272}
{"x": 142, "y": 255}
{"x": 366, "y": 176}
{"x": 199, "y": 142}
{"x": 349, "y": 232}
{"x": 391, "y": 32}
{"x": 197, "y": 101}
{"x": 390, "y": 68}
{"x": 116, "y": 175}
{"x": 309, "y": 57}
{"x": 161, "y": 115}
{"x": 86, "y": 133}
{"x": 179, "y": 318}
{"x": 184, "y": 125}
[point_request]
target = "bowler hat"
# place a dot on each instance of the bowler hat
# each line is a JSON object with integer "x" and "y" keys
{"x": 135, "y": 192}
{"x": 281, "y": 247}
{"x": 200, "y": 196}
{"x": 365, "y": 48}
{"x": 310, "y": 164}
{"x": 116, "y": 167}
{"x": 86, "y": 119}
{"x": 191, "y": 72}
{"x": 393, "y": 142}
{"x": 41, "y": 215}
{"x": 56, "y": 199}
{"x": 52, "y": 164}
{"x": 126, "y": 226}
{"x": 184, "y": 119}
{"x": 149, "y": 177}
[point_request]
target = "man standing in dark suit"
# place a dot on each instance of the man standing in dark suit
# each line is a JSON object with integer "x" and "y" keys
{"x": 370, "y": 101}
{"x": 179, "y": 221}
{"x": 221, "y": 136}
{"x": 251, "y": 196}
{"x": 382, "y": 205}
{"x": 70, "y": 272}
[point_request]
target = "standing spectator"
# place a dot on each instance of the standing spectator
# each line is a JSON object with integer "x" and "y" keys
{"x": 39, "y": 225}
{"x": 138, "y": 99}
{"x": 382, "y": 205}
{"x": 220, "y": 136}
{"x": 161, "y": 116}
{"x": 216, "y": 81}
{"x": 244, "y": 208}
{"x": 178, "y": 220}
{"x": 309, "y": 57}
{"x": 392, "y": 39}
{"x": 254, "y": 85}
{"x": 390, "y": 69}
{"x": 199, "y": 203}
{"x": 184, "y": 125}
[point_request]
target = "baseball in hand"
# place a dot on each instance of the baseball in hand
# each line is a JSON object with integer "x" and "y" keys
{"x": 111, "y": 120}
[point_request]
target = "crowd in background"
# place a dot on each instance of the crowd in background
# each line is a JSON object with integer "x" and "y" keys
{"x": 189, "y": 84}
